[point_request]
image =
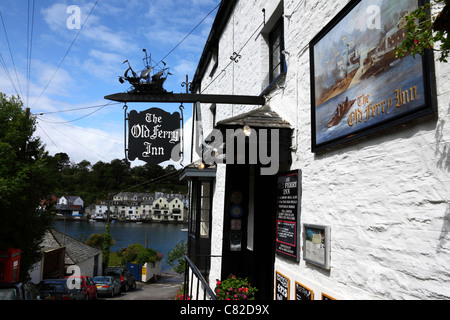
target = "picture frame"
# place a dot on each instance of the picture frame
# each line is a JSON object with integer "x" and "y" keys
{"x": 316, "y": 245}
{"x": 358, "y": 86}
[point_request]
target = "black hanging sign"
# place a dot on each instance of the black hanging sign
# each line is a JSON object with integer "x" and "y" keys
{"x": 153, "y": 134}
{"x": 288, "y": 215}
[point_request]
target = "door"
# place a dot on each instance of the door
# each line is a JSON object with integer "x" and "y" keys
{"x": 249, "y": 227}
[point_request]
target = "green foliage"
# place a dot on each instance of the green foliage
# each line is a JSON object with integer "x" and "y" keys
{"x": 106, "y": 246}
{"x": 137, "y": 253}
{"x": 425, "y": 30}
{"x": 234, "y": 288}
{"x": 25, "y": 180}
{"x": 175, "y": 257}
{"x": 96, "y": 241}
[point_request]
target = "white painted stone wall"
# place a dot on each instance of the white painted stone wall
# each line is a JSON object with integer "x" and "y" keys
{"x": 386, "y": 198}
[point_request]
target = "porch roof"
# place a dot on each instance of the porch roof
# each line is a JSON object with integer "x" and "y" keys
{"x": 263, "y": 117}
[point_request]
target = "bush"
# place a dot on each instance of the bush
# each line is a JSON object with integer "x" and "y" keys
{"x": 234, "y": 288}
{"x": 137, "y": 253}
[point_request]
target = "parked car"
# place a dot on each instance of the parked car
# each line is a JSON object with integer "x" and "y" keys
{"x": 57, "y": 289}
{"x": 20, "y": 291}
{"x": 86, "y": 284}
{"x": 123, "y": 275}
{"x": 107, "y": 285}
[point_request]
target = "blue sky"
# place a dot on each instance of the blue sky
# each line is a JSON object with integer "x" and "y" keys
{"x": 116, "y": 30}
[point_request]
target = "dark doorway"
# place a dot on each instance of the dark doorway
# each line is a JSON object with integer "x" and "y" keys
{"x": 250, "y": 203}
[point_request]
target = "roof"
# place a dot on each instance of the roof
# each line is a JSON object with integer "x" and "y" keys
{"x": 222, "y": 17}
{"x": 263, "y": 117}
{"x": 76, "y": 251}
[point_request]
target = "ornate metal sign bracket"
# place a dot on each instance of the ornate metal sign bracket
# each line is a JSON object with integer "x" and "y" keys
{"x": 125, "y": 108}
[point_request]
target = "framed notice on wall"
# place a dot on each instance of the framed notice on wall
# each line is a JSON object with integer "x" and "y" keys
{"x": 288, "y": 215}
{"x": 359, "y": 86}
{"x": 302, "y": 292}
{"x": 282, "y": 287}
{"x": 316, "y": 245}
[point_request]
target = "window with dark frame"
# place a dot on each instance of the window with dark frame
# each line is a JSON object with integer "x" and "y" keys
{"x": 276, "y": 47}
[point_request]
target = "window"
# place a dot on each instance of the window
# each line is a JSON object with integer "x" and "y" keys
{"x": 205, "y": 203}
{"x": 276, "y": 47}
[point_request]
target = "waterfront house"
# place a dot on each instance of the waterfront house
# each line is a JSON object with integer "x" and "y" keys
{"x": 357, "y": 204}
{"x": 71, "y": 206}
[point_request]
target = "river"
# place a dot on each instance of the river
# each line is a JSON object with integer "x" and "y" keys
{"x": 161, "y": 237}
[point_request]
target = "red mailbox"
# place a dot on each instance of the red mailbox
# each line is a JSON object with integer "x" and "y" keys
{"x": 9, "y": 265}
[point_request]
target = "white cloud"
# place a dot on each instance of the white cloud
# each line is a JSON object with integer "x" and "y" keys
{"x": 80, "y": 143}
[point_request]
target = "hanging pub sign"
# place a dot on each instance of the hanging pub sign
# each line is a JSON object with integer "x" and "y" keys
{"x": 288, "y": 215}
{"x": 153, "y": 134}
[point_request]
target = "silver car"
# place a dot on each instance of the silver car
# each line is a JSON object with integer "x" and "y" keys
{"x": 107, "y": 285}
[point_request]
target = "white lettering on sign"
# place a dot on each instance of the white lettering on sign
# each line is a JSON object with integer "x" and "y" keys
{"x": 142, "y": 131}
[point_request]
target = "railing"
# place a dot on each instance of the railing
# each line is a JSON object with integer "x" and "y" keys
{"x": 199, "y": 287}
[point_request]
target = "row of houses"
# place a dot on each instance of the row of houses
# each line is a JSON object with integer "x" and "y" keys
{"x": 154, "y": 207}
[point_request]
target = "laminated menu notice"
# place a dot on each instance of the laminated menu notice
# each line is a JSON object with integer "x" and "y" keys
{"x": 288, "y": 215}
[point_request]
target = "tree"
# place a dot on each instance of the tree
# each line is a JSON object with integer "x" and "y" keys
{"x": 424, "y": 30}
{"x": 96, "y": 240}
{"x": 175, "y": 258}
{"x": 25, "y": 181}
{"x": 107, "y": 239}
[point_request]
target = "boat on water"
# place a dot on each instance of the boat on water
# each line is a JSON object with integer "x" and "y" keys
{"x": 341, "y": 110}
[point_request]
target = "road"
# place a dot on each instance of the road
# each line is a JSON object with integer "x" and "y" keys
{"x": 165, "y": 289}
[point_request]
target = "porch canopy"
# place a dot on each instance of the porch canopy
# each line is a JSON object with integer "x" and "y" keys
{"x": 257, "y": 120}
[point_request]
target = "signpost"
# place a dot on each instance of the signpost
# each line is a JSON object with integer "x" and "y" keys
{"x": 288, "y": 215}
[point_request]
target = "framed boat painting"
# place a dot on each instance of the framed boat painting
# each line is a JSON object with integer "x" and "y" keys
{"x": 358, "y": 86}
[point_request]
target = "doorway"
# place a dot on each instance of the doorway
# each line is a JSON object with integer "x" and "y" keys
{"x": 249, "y": 227}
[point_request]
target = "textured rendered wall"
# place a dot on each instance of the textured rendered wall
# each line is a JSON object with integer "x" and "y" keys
{"x": 386, "y": 198}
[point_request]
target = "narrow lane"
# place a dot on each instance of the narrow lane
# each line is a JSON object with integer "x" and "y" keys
{"x": 165, "y": 289}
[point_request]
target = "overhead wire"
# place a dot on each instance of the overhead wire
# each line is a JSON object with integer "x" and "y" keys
{"x": 187, "y": 36}
{"x": 67, "y": 53}
{"x": 12, "y": 59}
{"x": 76, "y": 109}
{"x": 232, "y": 61}
{"x": 8, "y": 75}
{"x": 30, "y": 32}
{"x": 77, "y": 142}
{"x": 85, "y": 116}
{"x": 159, "y": 179}
{"x": 48, "y": 137}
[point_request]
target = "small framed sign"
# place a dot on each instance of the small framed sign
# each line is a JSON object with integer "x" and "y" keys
{"x": 302, "y": 292}
{"x": 327, "y": 297}
{"x": 282, "y": 287}
{"x": 316, "y": 245}
{"x": 288, "y": 215}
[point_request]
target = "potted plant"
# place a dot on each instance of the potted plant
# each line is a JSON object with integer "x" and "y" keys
{"x": 235, "y": 288}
